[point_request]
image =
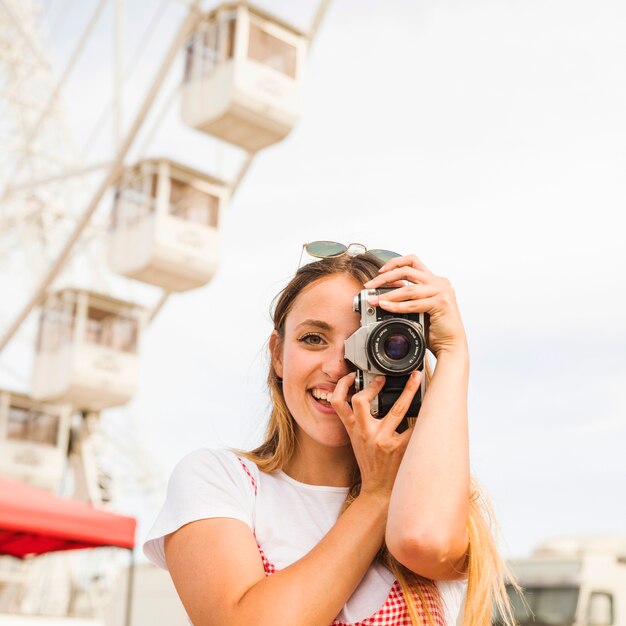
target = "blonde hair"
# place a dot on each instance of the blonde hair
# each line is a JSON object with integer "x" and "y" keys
{"x": 485, "y": 568}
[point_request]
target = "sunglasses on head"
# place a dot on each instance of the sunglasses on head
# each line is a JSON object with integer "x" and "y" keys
{"x": 332, "y": 249}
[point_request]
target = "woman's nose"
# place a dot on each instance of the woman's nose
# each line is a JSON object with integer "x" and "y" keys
{"x": 335, "y": 366}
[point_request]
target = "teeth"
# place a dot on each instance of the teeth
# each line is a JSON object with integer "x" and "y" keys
{"x": 320, "y": 394}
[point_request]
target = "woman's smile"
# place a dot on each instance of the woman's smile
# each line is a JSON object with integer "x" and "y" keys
{"x": 322, "y": 397}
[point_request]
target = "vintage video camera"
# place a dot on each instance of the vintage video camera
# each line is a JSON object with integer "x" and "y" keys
{"x": 392, "y": 344}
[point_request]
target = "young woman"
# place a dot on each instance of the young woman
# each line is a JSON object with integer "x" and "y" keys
{"x": 337, "y": 518}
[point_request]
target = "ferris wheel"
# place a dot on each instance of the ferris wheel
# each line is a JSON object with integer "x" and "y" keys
{"x": 92, "y": 248}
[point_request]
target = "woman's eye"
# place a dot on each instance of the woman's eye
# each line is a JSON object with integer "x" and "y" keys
{"x": 312, "y": 339}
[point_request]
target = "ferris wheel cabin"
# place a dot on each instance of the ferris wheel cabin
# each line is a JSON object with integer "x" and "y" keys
{"x": 33, "y": 440}
{"x": 243, "y": 76}
{"x": 164, "y": 226}
{"x": 87, "y": 350}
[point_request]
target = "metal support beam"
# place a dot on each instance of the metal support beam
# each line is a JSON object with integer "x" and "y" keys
{"x": 20, "y": 29}
{"x": 118, "y": 75}
{"x": 113, "y": 174}
{"x": 69, "y": 174}
{"x": 57, "y": 90}
{"x": 317, "y": 20}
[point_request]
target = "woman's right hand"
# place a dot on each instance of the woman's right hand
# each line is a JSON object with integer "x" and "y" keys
{"x": 377, "y": 446}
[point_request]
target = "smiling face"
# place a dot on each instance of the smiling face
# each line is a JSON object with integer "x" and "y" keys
{"x": 310, "y": 356}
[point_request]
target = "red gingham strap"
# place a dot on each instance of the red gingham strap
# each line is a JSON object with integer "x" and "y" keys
{"x": 267, "y": 566}
{"x": 393, "y": 612}
{"x": 247, "y": 471}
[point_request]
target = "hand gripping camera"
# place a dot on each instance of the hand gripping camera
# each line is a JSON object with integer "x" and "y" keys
{"x": 392, "y": 344}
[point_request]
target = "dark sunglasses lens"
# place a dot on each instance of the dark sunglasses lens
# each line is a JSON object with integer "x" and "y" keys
{"x": 325, "y": 249}
{"x": 383, "y": 255}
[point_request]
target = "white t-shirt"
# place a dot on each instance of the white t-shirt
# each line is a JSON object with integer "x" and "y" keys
{"x": 288, "y": 519}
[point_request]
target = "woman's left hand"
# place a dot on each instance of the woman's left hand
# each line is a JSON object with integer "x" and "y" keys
{"x": 422, "y": 292}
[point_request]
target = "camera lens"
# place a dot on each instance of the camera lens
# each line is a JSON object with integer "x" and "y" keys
{"x": 396, "y": 346}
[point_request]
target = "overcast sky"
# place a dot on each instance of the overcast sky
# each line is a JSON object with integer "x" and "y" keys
{"x": 487, "y": 137}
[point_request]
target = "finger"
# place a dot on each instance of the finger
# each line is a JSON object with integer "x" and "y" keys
{"x": 423, "y": 305}
{"x": 398, "y": 411}
{"x": 407, "y": 259}
{"x": 406, "y": 293}
{"x": 361, "y": 401}
{"x": 396, "y": 283}
{"x": 399, "y": 274}
{"x": 339, "y": 400}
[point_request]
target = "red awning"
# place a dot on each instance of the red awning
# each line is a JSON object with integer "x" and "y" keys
{"x": 34, "y": 521}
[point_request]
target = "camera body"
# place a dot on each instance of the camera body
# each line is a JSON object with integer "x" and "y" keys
{"x": 391, "y": 344}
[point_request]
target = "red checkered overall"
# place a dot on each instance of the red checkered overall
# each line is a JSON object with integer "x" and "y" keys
{"x": 393, "y": 612}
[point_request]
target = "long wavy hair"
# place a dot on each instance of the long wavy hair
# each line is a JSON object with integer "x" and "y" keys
{"x": 485, "y": 568}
